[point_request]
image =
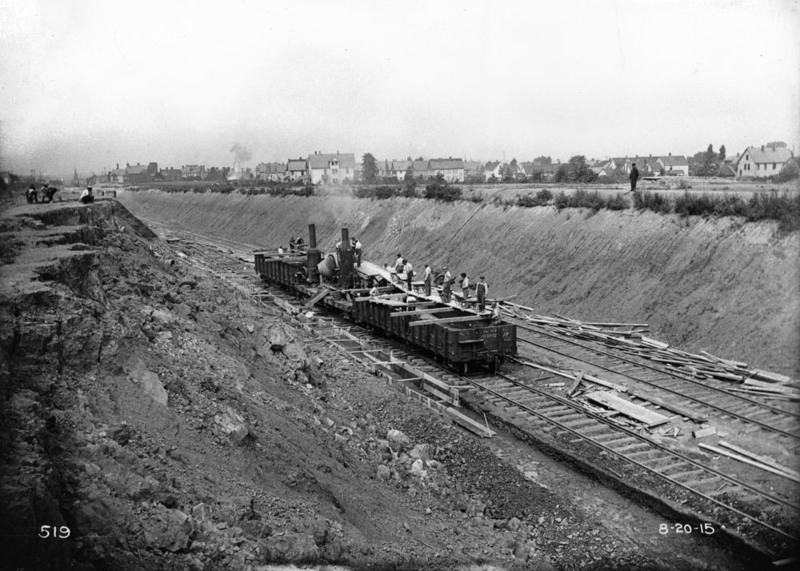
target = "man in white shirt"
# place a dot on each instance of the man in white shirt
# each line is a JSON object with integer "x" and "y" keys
{"x": 409, "y": 270}
{"x": 426, "y": 277}
{"x": 446, "y": 285}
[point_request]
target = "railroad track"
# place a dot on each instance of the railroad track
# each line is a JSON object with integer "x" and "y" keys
{"x": 694, "y": 476}
{"x": 755, "y": 508}
{"x": 706, "y": 394}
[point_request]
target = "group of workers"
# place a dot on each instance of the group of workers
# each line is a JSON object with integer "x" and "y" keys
{"x": 47, "y": 194}
{"x": 355, "y": 245}
{"x": 403, "y": 266}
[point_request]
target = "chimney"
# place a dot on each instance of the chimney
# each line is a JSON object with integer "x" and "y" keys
{"x": 670, "y": 154}
{"x": 117, "y": 166}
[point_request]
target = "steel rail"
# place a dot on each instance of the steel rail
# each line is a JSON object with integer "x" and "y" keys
{"x": 676, "y": 374}
{"x": 632, "y": 433}
{"x": 678, "y": 393}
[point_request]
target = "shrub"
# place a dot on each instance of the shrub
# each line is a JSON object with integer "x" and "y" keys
{"x": 440, "y": 190}
{"x": 650, "y": 201}
{"x": 527, "y": 201}
{"x": 544, "y": 196}
{"x": 617, "y": 202}
{"x": 684, "y": 184}
{"x": 789, "y": 171}
{"x": 695, "y": 205}
{"x": 585, "y": 199}
{"x": 561, "y": 200}
{"x": 364, "y": 192}
{"x": 384, "y": 192}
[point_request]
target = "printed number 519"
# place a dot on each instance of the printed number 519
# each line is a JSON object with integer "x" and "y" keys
{"x": 54, "y": 531}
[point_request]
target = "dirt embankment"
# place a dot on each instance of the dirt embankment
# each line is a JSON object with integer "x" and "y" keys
{"x": 724, "y": 286}
{"x": 161, "y": 419}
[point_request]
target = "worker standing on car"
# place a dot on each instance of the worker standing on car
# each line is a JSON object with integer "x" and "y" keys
{"x": 446, "y": 285}
{"x": 409, "y": 270}
{"x": 464, "y": 287}
{"x": 357, "y": 251}
{"x": 426, "y": 278}
{"x": 481, "y": 290}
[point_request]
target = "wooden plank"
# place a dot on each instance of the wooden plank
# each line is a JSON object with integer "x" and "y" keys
{"x": 382, "y": 289}
{"x": 448, "y": 320}
{"x": 317, "y": 298}
{"x": 590, "y": 378}
{"x": 703, "y": 432}
{"x": 654, "y": 343}
{"x": 668, "y": 406}
{"x": 768, "y": 376}
{"x": 763, "y": 459}
{"x": 469, "y": 424}
{"x": 634, "y": 411}
{"x": 746, "y": 460}
{"x": 574, "y": 385}
{"x": 422, "y": 312}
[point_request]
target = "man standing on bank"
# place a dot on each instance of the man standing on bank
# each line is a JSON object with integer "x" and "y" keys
{"x": 634, "y": 177}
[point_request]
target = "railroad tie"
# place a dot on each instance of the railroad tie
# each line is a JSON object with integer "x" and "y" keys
{"x": 694, "y": 484}
{"x": 632, "y": 446}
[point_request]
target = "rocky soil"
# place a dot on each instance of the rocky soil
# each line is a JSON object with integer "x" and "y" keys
{"x": 164, "y": 420}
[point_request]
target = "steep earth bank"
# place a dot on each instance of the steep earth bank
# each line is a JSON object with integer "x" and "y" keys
{"x": 153, "y": 416}
{"x": 720, "y": 285}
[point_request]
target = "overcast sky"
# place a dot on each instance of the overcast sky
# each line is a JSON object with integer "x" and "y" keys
{"x": 89, "y": 84}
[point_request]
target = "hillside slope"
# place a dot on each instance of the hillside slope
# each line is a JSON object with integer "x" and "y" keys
{"x": 722, "y": 285}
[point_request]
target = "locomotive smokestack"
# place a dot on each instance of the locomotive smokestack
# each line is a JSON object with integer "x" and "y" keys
{"x": 313, "y": 256}
{"x": 345, "y": 262}
{"x": 312, "y": 236}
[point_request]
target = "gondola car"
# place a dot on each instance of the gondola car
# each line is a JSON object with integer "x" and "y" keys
{"x": 458, "y": 337}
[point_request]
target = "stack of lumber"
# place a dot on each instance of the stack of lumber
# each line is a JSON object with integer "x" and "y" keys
{"x": 630, "y": 338}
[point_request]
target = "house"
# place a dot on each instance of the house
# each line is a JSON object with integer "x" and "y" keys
{"x": 674, "y": 166}
{"x": 546, "y": 168}
{"x": 273, "y": 172}
{"x": 452, "y": 169}
{"x": 421, "y": 169}
{"x": 473, "y": 168}
{"x": 296, "y": 169}
{"x": 763, "y": 162}
{"x": 331, "y": 168}
{"x": 193, "y": 172}
{"x": 400, "y": 168}
{"x": 726, "y": 170}
{"x": 171, "y": 174}
{"x": 493, "y": 169}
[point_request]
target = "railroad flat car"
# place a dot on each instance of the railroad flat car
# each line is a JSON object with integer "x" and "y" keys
{"x": 458, "y": 337}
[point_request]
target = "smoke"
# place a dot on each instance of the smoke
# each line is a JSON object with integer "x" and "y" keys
{"x": 240, "y": 154}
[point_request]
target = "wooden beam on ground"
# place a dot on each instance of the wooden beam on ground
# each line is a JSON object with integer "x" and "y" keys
{"x": 763, "y": 459}
{"x": 768, "y": 376}
{"x": 669, "y": 406}
{"x": 634, "y": 411}
{"x": 469, "y": 424}
{"x": 446, "y": 320}
{"x": 744, "y": 459}
{"x": 590, "y": 378}
{"x": 703, "y": 432}
{"x": 574, "y": 385}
